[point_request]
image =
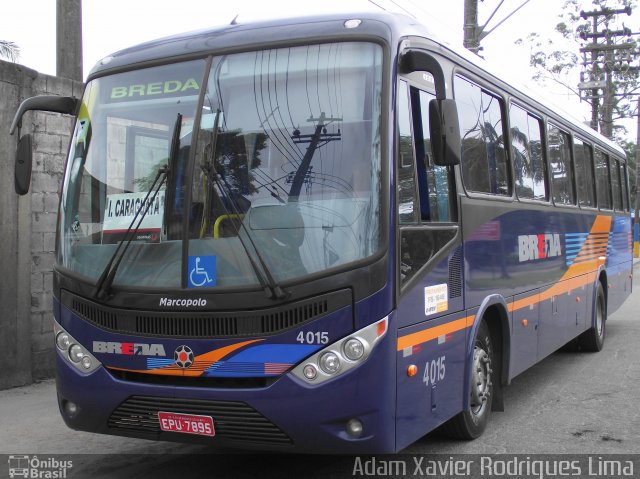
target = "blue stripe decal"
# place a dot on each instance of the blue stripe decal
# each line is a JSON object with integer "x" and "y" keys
{"x": 573, "y": 245}
{"x": 262, "y": 360}
{"x": 154, "y": 363}
{"x": 275, "y": 353}
{"x": 236, "y": 367}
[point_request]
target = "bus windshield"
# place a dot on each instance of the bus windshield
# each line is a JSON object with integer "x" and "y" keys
{"x": 277, "y": 169}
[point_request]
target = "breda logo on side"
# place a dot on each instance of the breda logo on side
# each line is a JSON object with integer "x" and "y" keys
{"x": 541, "y": 246}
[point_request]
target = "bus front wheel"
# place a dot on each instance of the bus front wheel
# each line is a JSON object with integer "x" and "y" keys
{"x": 471, "y": 423}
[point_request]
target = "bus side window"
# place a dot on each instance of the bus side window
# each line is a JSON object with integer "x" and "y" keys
{"x": 583, "y": 155}
{"x": 484, "y": 160}
{"x": 529, "y": 164}
{"x": 603, "y": 182}
{"x": 616, "y": 188}
{"x": 625, "y": 186}
{"x": 434, "y": 182}
{"x": 560, "y": 163}
{"x": 406, "y": 177}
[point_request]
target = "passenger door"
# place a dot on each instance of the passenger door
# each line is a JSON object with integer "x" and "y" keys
{"x": 429, "y": 272}
{"x": 430, "y": 264}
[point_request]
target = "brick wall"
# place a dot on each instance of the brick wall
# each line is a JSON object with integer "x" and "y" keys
{"x": 27, "y": 226}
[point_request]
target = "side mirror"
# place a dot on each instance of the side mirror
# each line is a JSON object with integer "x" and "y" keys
{"x": 22, "y": 172}
{"x": 445, "y": 132}
{"x": 56, "y": 104}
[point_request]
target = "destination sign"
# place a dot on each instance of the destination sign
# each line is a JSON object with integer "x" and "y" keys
{"x": 122, "y": 208}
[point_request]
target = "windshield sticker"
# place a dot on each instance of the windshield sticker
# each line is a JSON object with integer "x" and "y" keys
{"x": 82, "y": 127}
{"x": 166, "y": 82}
{"x": 122, "y": 208}
{"x": 201, "y": 272}
{"x": 167, "y": 88}
{"x": 436, "y": 299}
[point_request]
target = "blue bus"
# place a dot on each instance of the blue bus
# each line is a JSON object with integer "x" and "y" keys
{"x": 329, "y": 234}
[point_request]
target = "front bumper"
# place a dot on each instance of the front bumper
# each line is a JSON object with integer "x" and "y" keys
{"x": 287, "y": 415}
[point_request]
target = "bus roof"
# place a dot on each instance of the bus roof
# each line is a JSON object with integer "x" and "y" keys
{"x": 255, "y": 35}
{"x": 382, "y": 24}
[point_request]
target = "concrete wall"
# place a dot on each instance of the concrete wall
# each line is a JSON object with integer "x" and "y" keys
{"x": 27, "y": 226}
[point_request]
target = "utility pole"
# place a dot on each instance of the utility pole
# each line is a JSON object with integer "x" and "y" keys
{"x": 601, "y": 61}
{"x": 474, "y": 33}
{"x": 471, "y": 28}
{"x": 319, "y": 138}
{"x": 69, "y": 39}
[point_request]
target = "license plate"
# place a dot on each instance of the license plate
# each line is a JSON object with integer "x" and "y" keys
{"x": 186, "y": 423}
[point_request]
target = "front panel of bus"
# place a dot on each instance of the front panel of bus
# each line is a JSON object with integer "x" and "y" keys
{"x": 222, "y": 269}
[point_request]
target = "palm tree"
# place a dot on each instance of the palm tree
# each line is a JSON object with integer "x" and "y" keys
{"x": 9, "y": 50}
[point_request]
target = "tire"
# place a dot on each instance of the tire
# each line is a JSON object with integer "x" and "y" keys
{"x": 592, "y": 340}
{"x": 471, "y": 423}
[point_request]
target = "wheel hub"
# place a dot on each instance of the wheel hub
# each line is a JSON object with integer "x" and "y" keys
{"x": 599, "y": 320}
{"x": 480, "y": 380}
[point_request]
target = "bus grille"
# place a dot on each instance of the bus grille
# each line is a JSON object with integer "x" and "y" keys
{"x": 232, "y": 420}
{"x": 104, "y": 318}
{"x": 207, "y": 324}
{"x": 455, "y": 274}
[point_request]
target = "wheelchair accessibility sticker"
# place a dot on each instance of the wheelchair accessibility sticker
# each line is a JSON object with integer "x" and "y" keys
{"x": 202, "y": 272}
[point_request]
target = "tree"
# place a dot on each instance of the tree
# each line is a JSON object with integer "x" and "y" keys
{"x": 9, "y": 50}
{"x": 558, "y": 60}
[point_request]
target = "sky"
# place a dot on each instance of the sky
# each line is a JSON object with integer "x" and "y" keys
{"x": 111, "y": 25}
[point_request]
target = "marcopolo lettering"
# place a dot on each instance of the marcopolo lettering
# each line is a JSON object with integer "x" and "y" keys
{"x": 170, "y": 87}
{"x": 183, "y": 302}
{"x": 541, "y": 246}
{"x": 131, "y": 349}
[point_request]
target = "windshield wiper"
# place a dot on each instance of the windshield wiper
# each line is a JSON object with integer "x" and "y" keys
{"x": 103, "y": 286}
{"x": 265, "y": 278}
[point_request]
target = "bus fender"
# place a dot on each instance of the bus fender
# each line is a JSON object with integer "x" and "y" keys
{"x": 491, "y": 305}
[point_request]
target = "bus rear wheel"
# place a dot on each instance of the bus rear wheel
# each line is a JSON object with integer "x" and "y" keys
{"x": 592, "y": 340}
{"x": 471, "y": 423}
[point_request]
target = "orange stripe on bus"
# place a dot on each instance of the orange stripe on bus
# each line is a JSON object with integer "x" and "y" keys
{"x": 434, "y": 332}
{"x": 217, "y": 354}
{"x": 201, "y": 362}
{"x": 581, "y": 274}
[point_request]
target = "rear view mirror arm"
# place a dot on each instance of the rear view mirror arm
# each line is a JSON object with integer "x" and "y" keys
{"x": 52, "y": 103}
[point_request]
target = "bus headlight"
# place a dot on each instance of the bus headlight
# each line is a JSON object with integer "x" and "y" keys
{"x": 342, "y": 356}
{"x": 310, "y": 372}
{"x": 86, "y": 362}
{"x": 353, "y": 349}
{"x": 76, "y": 353}
{"x": 62, "y": 341}
{"x": 330, "y": 362}
{"x": 73, "y": 352}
